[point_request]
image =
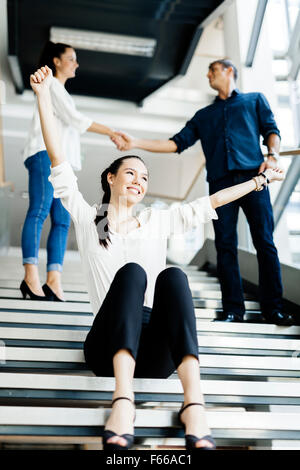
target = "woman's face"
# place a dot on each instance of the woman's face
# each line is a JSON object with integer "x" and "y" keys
{"x": 131, "y": 181}
{"x": 67, "y": 64}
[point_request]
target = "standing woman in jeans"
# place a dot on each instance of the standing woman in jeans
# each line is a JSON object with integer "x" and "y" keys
{"x": 144, "y": 322}
{"x": 61, "y": 58}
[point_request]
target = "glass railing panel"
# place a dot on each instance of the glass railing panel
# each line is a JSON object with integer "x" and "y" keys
{"x": 5, "y": 198}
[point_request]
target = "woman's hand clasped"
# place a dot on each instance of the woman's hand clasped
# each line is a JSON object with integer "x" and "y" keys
{"x": 276, "y": 174}
{"x": 122, "y": 141}
{"x": 41, "y": 79}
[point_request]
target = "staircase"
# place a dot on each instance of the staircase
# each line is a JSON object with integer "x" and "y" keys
{"x": 250, "y": 374}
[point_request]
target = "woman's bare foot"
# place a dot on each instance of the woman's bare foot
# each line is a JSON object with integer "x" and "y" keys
{"x": 34, "y": 286}
{"x": 121, "y": 420}
{"x": 57, "y": 289}
{"x": 194, "y": 420}
{"x": 32, "y": 279}
{"x": 54, "y": 282}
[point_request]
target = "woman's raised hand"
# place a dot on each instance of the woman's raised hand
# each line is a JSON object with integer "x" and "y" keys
{"x": 275, "y": 174}
{"x": 41, "y": 79}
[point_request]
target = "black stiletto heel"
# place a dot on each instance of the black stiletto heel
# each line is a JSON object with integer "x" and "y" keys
{"x": 50, "y": 294}
{"x": 110, "y": 446}
{"x": 26, "y": 291}
{"x": 190, "y": 439}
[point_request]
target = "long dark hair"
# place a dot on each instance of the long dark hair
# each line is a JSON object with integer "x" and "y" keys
{"x": 101, "y": 218}
{"x": 51, "y": 50}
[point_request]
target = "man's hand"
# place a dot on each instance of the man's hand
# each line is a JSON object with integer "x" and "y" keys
{"x": 123, "y": 141}
{"x": 270, "y": 163}
{"x": 41, "y": 79}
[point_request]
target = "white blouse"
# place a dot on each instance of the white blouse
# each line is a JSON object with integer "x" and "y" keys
{"x": 146, "y": 245}
{"x": 70, "y": 124}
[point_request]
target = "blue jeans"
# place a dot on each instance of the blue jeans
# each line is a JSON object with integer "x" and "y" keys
{"x": 41, "y": 203}
{"x": 258, "y": 211}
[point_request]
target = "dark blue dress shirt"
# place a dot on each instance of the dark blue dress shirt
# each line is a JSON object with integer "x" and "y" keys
{"x": 229, "y": 131}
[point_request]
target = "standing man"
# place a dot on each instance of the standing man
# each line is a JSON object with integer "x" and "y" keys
{"x": 229, "y": 130}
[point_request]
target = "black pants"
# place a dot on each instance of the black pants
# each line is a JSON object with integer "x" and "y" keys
{"x": 258, "y": 211}
{"x": 158, "y": 339}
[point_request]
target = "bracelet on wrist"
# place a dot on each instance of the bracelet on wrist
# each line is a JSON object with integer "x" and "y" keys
{"x": 267, "y": 181}
{"x": 259, "y": 185}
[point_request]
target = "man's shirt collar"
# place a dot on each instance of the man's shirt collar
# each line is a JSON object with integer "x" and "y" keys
{"x": 235, "y": 92}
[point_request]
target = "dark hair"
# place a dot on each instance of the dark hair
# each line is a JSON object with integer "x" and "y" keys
{"x": 225, "y": 64}
{"x": 101, "y": 218}
{"x": 51, "y": 50}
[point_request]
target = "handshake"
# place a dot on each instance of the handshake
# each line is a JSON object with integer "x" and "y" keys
{"x": 122, "y": 141}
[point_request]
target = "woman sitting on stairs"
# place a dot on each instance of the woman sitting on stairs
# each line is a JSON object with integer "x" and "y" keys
{"x": 145, "y": 323}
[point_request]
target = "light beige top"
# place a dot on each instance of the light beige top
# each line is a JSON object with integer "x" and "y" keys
{"x": 146, "y": 245}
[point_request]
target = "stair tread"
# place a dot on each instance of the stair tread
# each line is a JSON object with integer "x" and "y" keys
{"x": 159, "y": 386}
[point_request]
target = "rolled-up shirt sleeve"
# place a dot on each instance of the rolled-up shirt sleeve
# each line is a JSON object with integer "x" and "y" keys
{"x": 65, "y": 187}
{"x": 267, "y": 123}
{"x": 185, "y": 217}
{"x": 187, "y": 136}
{"x": 66, "y": 112}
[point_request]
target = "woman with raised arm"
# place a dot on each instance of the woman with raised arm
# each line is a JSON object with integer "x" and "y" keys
{"x": 144, "y": 322}
{"x": 61, "y": 58}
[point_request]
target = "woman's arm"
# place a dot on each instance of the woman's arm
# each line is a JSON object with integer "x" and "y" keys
{"x": 128, "y": 142}
{"x": 101, "y": 129}
{"x": 236, "y": 192}
{"x": 62, "y": 176}
{"x": 184, "y": 139}
{"x": 40, "y": 83}
{"x": 117, "y": 139}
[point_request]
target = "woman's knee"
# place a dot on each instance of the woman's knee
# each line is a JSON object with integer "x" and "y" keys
{"x": 132, "y": 271}
{"x": 172, "y": 275}
{"x": 38, "y": 213}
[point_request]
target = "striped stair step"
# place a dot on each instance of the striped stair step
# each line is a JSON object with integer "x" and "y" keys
{"x": 81, "y": 288}
{"x": 85, "y": 321}
{"x": 10, "y": 293}
{"x": 17, "y": 304}
{"x": 203, "y": 314}
{"x": 24, "y": 420}
{"x": 20, "y": 385}
{"x": 205, "y": 341}
{"x": 210, "y": 364}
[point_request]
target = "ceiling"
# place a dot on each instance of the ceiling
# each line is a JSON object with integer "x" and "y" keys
{"x": 174, "y": 24}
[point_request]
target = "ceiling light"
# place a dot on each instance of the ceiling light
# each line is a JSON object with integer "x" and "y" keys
{"x": 104, "y": 42}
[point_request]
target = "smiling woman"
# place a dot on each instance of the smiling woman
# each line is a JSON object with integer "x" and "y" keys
{"x": 124, "y": 184}
{"x": 144, "y": 322}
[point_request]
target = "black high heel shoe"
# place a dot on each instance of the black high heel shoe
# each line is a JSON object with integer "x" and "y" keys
{"x": 110, "y": 446}
{"x": 26, "y": 291}
{"x": 190, "y": 439}
{"x": 50, "y": 294}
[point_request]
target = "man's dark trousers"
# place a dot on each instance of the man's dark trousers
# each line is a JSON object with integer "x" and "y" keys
{"x": 258, "y": 211}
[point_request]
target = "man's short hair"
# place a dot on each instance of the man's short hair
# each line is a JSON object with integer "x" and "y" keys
{"x": 225, "y": 64}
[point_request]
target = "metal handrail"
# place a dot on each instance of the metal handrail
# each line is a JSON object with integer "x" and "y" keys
{"x": 289, "y": 153}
